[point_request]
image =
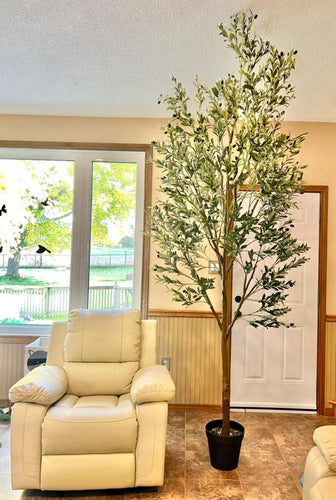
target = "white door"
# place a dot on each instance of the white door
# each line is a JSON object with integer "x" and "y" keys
{"x": 276, "y": 367}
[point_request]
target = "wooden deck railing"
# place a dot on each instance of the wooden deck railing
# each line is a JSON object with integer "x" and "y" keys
{"x": 53, "y": 301}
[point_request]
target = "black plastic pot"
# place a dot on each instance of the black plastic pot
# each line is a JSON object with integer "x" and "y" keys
{"x": 224, "y": 451}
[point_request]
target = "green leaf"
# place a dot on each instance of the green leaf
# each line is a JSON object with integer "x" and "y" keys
{"x": 227, "y": 154}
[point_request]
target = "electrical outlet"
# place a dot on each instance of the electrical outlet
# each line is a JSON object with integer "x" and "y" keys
{"x": 166, "y": 362}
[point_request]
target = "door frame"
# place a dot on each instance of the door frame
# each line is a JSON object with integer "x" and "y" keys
{"x": 322, "y": 294}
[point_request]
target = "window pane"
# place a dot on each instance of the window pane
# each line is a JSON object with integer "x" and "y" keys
{"x": 35, "y": 240}
{"x": 112, "y": 235}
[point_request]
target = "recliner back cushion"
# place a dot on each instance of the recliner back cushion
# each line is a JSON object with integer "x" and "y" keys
{"x": 101, "y": 351}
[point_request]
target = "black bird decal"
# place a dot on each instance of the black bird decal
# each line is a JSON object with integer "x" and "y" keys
{"x": 42, "y": 249}
{"x": 45, "y": 202}
{"x": 3, "y": 209}
{"x": 1, "y": 248}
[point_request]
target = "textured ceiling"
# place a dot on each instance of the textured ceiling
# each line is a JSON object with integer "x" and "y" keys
{"x": 114, "y": 57}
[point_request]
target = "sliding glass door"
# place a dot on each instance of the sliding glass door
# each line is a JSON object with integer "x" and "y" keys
{"x": 71, "y": 231}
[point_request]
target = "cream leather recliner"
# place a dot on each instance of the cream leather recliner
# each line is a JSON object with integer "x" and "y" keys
{"x": 95, "y": 416}
{"x": 319, "y": 481}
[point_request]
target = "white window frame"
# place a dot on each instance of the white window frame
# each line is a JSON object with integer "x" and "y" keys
{"x": 81, "y": 227}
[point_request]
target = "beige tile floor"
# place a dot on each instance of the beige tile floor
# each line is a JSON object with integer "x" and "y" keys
{"x": 271, "y": 461}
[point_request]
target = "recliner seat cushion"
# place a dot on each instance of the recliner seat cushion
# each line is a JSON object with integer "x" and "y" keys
{"x": 91, "y": 424}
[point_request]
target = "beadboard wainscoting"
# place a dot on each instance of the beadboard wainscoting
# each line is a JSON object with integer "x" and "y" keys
{"x": 330, "y": 361}
{"x": 196, "y": 375}
{"x": 186, "y": 337}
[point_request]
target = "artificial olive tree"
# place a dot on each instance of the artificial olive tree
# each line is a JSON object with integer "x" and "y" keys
{"x": 229, "y": 182}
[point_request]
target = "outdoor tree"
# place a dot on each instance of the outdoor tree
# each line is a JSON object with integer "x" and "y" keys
{"x": 38, "y": 196}
{"x": 113, "y": 199}
{"x": 229, "y": 183}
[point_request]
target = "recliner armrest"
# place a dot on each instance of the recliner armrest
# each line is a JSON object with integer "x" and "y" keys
{"x": 325, "y": 439}
{"x": 152, "y": 384}
{"x": 43, "y": 385}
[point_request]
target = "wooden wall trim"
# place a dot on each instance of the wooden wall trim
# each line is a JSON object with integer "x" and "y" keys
{"x": 91, "y": 146}
{"x": 195, "y": 408}
{"x": 146, "y": 236}
{"x": 329, "y": 412}
{"x": 163, "y": 313}
{"x": 322, "y": 290}
{"x": 171, "y": 313}
{"x": 13, "y": 339}
{"x": 315, "y": 188}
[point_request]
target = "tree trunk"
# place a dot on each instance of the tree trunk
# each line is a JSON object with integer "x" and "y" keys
{"x": 225, "y": 388}
{"x": 225, "y": 337}
{"x": 13, "y": 265}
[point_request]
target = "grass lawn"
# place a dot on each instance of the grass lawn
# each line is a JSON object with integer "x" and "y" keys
{"x": 51, "y": 276}
{"x": 99, "y": 274}
{"x": 23, "y": 281}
